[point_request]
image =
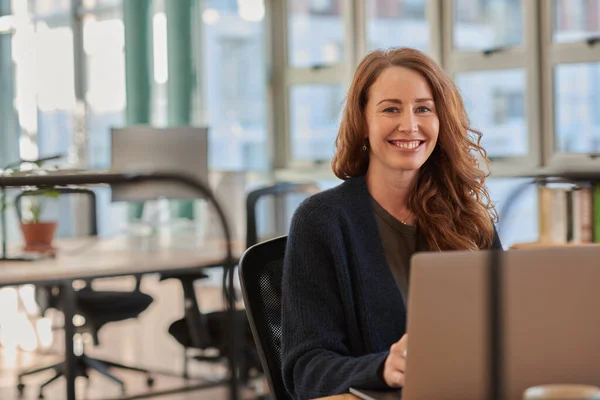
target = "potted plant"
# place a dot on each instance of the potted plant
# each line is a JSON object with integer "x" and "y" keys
{"x": 37, "y": 234}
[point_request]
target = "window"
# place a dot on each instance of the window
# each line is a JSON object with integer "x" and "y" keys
{"x": 315, "y": 111}
{"x": 494, "y": 102}
{"x": 43, "y": 55}
{"x": 313, "y": 55}
{"x": 395, "y": 23}
{"x": 315, "y": 32}
{"x": 55, "y": 88}
{"x": 487, "y": 24}
{"x": 103, "y": 44}
{"x": 577, "y": 116}
{"x": 508, "y": 106}
{"x": 520, "y": 225}
{"x": 572, "y": 71}
{"x": 234, "y": 67}
{"x": 576, "y": 20}
{"x": 487, "y": 53}
{"x": 45, "y": 8}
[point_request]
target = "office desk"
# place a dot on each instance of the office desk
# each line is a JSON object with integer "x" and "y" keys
{"x": 92, "y": 257}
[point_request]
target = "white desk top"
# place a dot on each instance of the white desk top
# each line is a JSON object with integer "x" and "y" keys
{"x": 92, "y": 257}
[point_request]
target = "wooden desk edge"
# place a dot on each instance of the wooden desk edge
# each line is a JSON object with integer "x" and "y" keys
{"x": 345, "y": 396}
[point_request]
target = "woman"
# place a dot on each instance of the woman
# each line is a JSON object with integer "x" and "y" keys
{"x": 409, "y": 159}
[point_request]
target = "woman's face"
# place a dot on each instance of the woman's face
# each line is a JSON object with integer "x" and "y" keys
{"x": 402, "y": 121}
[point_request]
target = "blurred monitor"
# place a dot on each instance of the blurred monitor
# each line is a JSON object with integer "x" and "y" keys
{"x": 150, "y": 149}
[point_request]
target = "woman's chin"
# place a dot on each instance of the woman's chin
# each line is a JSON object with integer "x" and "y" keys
{"x": 407, "y": 167}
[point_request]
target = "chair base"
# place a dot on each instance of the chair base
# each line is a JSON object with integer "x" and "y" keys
{"x": 83, "y": 364}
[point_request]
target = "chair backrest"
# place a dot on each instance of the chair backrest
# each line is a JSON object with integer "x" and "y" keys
{"x": 277, "y": 190}
{"x": 93, "y": 218}
{"x": 261, "y": 273}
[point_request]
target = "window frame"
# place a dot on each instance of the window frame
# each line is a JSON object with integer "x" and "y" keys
{"x": 553, "y": 55}
{"x": 515, "y": 57}
{"x": 284, "y": 76}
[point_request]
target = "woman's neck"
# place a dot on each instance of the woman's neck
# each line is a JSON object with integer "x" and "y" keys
{"x": 391, "y": 190}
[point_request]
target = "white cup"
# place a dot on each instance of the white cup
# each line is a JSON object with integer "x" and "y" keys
{"x": 562, "y": 392}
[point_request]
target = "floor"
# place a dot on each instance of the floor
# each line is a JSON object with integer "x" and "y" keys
{"x": 140, "y": 342}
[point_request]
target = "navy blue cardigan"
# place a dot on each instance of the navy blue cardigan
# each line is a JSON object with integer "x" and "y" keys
{"x": 341, "y": 307}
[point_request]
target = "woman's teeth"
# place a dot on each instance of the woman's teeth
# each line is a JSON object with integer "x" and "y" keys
{"x": 406, "y": 145}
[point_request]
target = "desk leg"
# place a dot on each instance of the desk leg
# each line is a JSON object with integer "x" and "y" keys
{"x": 70, "y": 360}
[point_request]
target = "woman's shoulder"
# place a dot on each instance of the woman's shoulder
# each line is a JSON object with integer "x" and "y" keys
{"x": 329, "y": 202}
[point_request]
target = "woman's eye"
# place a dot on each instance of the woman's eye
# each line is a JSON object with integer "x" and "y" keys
{"x": 391, "y": 110}
{"x": 423, "y": 109}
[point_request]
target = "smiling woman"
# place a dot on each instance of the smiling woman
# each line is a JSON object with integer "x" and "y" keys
{"x": 408, "y": 112}
{"x": 407, "y": 153}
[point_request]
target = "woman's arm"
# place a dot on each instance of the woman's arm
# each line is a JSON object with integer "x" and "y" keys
{"x": 315, "y": 354}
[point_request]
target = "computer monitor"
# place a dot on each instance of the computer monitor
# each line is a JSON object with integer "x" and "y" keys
{"x": 151, "y": 149}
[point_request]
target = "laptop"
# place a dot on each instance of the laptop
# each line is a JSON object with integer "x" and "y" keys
{"x": 551, "y": 306}
{"x": 377, "y": 394}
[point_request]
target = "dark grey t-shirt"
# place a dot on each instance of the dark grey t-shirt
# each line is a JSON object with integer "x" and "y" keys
{"x": 399, "y": 243}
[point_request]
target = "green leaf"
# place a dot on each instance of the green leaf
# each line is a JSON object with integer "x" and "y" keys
{"x": 53, "y": 194}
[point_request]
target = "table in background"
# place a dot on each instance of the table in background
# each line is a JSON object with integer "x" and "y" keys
{"x": 93, "y": 257}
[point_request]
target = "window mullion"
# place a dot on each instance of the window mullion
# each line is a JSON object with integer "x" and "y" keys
{"x": 534, "y": 78}
{"x": 434, "y": 16}
{"x": 579, "y": 52}
{"x": 279, "y": 98}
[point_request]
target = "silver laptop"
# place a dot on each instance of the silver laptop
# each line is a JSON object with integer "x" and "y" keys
{"x": 551, "y": 306}
{"x": 377, "y": 394}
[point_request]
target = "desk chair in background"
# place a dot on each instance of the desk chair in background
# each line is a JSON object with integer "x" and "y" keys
{"x": 97, "y": 307}
{"x": 261, "y": 275}
{"x": 277, "y": 191}
{"x": 205, "y": 331}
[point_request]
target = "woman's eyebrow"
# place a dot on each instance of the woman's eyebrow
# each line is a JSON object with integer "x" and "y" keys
{"x": 398, "y": 101}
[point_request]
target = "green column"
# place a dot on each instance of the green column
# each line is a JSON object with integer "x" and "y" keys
{"x": 137, "y": 20}
{"x": 180, "y": 85}
{"x": 9, "y": 132}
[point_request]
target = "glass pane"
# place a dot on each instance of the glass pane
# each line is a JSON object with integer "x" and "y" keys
{"x": 394, "y": 23}
{"x": 577, "y": 97}
{"x": 485, "y": 24}
{"x": 315, "y": 32}
{"x": 92, "y": 4}
{"x": 235, "y": 72}
{"x": 159, "y": 115}
{"x": 23, "y": 41}
{"x": 49, "y": 7}
{"x": 55, "y": 89}
{"x": 315, "y": 111}
{"x": 495, "y": 102}
{"x": 103, "y": 43}
{"x": 576, "y": 20}
{"x": 520, "y": 225}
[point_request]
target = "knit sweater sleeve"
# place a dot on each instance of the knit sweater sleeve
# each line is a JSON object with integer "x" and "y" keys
{"x": 315, "y": 354}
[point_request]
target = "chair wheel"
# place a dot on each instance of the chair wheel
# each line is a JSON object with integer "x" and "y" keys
{"x": 150, "y": 381}
{"x": 20, "y": 388}
{"x": 41, "y": 396}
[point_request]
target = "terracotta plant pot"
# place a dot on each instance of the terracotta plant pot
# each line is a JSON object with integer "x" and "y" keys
{"x": 38, "y": 236}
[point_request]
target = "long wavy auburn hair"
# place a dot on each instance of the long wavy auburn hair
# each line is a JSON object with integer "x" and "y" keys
{"x": 450, "y": 202}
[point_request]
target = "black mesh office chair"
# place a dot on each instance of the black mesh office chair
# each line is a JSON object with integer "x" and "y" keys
{"x": 261, "y": 272}
{"x": 97, "y": 307}
{"x": 197, "y": 330}
{"x": 278, "y": 191}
